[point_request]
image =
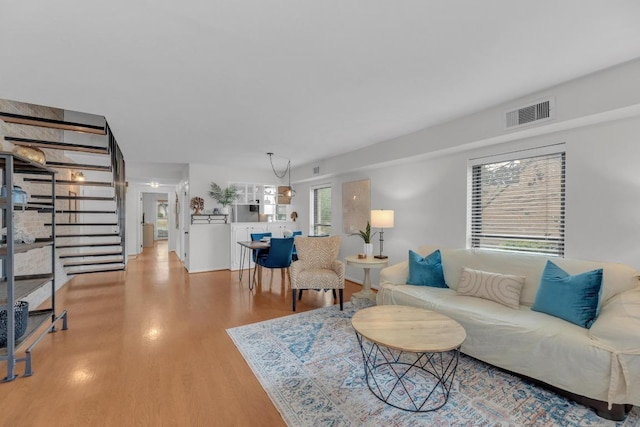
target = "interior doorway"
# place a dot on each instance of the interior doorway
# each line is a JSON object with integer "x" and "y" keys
{"x": 155, "y": 218}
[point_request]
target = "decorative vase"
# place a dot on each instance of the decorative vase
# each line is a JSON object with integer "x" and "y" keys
{"x": 368, "y": 249}
{"x": 31, "y": 153}
{"x": 224, "y": 210}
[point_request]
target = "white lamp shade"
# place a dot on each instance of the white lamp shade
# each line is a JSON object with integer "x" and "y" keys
{"x": 382, "y": 218}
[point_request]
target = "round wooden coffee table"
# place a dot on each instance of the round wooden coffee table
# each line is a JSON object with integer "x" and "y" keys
{"x": 410, "y": 355}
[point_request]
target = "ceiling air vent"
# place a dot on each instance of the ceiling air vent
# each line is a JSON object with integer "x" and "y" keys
{"x": 543, "y": 110}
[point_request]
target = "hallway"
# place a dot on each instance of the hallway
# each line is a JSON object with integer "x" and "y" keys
{"x": 148, "y": 347}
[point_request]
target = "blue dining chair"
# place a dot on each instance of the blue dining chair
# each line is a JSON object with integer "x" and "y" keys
{"x": 294, "y": 254}
{"x": 279, "y": 256}
{"x": 259, "y": 252}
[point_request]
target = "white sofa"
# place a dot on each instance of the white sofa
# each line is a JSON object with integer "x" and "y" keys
{"x": 599, "y": 366}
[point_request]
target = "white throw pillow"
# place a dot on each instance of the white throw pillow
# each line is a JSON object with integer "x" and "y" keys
{"x": 501, "y": 288}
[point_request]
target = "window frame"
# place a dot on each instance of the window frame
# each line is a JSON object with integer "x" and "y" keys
{"x": 474, "y": 198}
{"x": 313, "y": 225}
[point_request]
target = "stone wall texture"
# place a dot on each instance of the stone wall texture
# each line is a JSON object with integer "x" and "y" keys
{"x": 36, "y": 261}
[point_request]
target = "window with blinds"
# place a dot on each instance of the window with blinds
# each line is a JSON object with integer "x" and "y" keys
{"x": 321, "y": 210}
{"x": 519, "y": 205}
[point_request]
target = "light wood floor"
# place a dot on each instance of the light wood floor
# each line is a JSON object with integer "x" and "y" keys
{"x": 148, "y": 347}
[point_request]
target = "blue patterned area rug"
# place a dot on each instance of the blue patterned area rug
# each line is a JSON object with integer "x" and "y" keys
{"x": 311, "y": 367}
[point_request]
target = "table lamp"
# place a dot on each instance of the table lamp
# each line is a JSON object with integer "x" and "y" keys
{"x": 382, "y": 219}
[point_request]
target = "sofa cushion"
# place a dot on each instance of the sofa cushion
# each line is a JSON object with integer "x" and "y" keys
{"x": 616, "y": 278}
{"x": 574, "y": 298}
{"x": 426, "y": 271}
{"x": 501, "y": 288}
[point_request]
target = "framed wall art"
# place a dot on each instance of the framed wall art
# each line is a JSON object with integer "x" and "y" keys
{"x": 356, "y": 205}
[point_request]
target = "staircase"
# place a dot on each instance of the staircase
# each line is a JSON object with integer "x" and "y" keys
{"x": 90, "y": 191}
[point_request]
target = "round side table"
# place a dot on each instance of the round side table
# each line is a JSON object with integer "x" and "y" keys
{"x": 366, "y": 296}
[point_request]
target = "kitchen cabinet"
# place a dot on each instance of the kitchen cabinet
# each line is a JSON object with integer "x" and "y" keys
{"x": 241, "y": 232}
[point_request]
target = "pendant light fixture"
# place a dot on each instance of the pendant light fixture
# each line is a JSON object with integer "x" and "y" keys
{"x": 288, "y": 191}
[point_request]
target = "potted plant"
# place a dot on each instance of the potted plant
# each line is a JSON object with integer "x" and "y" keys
{"x": 366, "y": 236}
{"x": 223, "y": 196}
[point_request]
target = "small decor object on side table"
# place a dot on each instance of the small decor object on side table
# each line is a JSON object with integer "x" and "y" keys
{"x": 197, "y": 204}
{"x": 366, "y": 237}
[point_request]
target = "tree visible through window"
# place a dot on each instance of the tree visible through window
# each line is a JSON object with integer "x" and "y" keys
{"x": 519, "y": 205}
{"x": 321, "y": 214}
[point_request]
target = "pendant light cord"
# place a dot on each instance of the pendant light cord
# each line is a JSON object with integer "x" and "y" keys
{"x": 290, "y": 192}
{"x": 287, "y": 169}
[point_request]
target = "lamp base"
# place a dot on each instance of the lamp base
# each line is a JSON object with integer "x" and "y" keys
{"x": 381, "y": 256}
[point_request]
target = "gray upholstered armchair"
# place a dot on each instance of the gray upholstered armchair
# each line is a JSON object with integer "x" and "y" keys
{"x": 317, "y": 266}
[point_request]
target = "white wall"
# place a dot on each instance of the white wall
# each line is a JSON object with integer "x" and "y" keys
{"x": 600, "y": 97}
{"x": 423, "y": 176}
{"x": 209, "y": 244}
{"x": 429, "y": 196}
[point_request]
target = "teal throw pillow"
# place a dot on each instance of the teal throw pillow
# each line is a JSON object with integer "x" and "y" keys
{"x": 572, "y": 298}
{"x": 426, "y": 271}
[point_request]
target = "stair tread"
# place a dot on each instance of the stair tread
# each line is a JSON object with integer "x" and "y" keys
{"x": 93, "y": 262}
{"x": 64, "y": 236}
{"x": 91, "y": 254}
{"x": 63, "y": 211}
{"x": 70, "y": 182}
{"x": 92, "y": 198}
{"x": 90, "y": 245}
{"x": 79, "y": 166}
{"x": 54, "y": 145}
{"x": 97, "y": 270}
{"x": 89, "y": 224}
{"x": 52, "y": 123}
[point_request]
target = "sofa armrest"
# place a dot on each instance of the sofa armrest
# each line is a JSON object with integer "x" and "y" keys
{"x": 618, "y": 323}
{"x": 395, "y": 274}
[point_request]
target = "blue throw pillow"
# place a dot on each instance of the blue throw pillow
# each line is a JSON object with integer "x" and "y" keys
{"x": 572, "y": 298}
{"x": 426, "y": 271}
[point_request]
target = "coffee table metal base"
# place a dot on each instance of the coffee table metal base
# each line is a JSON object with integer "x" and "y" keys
{"x": 416, "y": 382}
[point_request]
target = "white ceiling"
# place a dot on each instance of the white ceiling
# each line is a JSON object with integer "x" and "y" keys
{"x": 224, "y": 82}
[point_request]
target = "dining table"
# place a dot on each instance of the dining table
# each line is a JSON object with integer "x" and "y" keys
{"x": 246, "y": 249}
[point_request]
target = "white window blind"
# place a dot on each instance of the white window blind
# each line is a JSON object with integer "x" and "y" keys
{"x": 519, "y": 205}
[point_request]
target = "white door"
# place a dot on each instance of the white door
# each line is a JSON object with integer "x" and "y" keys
{"x": 185, "y": 225}
{"x": 139, "y": 234}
